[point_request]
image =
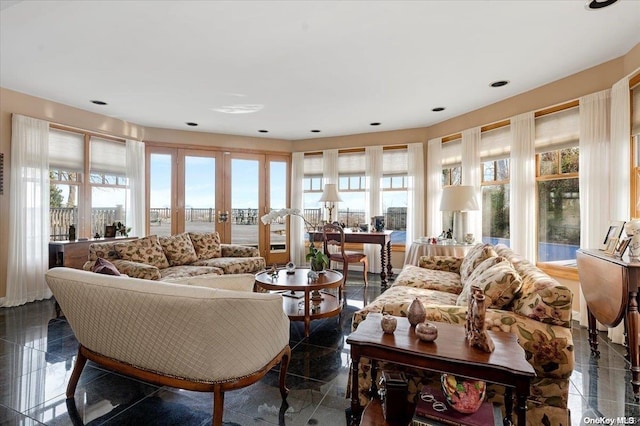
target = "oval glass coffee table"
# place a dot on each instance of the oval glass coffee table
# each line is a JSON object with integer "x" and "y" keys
{"x": 302, "y": 298}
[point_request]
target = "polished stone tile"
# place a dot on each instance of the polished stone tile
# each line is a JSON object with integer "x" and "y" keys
{"x": 38, "y": 351}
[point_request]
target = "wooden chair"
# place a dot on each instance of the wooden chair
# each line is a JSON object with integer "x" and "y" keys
{"x": 333, "y": 237}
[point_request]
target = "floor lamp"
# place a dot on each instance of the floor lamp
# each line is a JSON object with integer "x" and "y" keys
{"x": 330, "y": 197}
{"x": 459, "y": 199}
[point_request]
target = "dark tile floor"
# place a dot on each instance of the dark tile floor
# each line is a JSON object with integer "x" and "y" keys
{"x": 37, "y": 353}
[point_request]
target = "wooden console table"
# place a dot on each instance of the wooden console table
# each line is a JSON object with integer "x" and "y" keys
{"x": 610, "y": 288}
{"x": 382, "y": 238}
{"x": 450, "y": 353}
{"x": 73, "y": 254}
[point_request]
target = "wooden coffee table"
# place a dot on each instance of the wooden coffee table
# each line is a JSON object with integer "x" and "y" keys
{"x": 449, "y": 353}
{"x": 302, "y": 299}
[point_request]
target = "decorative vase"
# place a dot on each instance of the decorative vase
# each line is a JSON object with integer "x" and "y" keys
{"x": 388, "y": 323}
{"x": 317, "y": 266}
{"x": 416, "y": 313}
{"x": 463, "y": 395}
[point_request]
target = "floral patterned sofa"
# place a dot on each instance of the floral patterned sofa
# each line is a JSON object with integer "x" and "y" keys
{"x": 524, "y": 301}
{"x": 176, "y": 256}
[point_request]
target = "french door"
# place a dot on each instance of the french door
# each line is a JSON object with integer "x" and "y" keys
{"x": 205, "y": 190}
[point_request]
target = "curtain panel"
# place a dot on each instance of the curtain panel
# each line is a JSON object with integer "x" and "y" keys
{"x": 28, "y": 259}
{"x": 296, "y": 226}
{"x": 471, "y": 176}
{"x": 415, "y": 195}
{"x": 434, "y": 187}
{"x": 135, "y": 170}
{"x": 373, "y": 161}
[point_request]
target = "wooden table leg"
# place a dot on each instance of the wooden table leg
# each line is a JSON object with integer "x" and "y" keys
{"x": 389, "y": 265}
{"x": 593, "y": 334}
{"x": 508, "y": 407}
{"x": 356, "y": 410}
{"x": 383, "y": 266}
{"x": 633, "y": 323}
{"x": 307, "y": 313}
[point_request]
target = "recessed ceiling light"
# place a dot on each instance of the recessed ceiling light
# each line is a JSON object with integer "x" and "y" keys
{"x": 191, "y": 123}
{"x": 437, "y": 109}
{"x": 499, "y": 83}
{"x": 263, "y": 131}
{"x": 239, "y": 108}
{"x": 375, "y": 124}
{"x": 598, "y": 4}
{"x": 315, "y": 131}
{"x": 98, "y": 102}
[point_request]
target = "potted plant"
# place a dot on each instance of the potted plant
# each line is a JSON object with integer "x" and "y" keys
{"x": 318, "y": 260}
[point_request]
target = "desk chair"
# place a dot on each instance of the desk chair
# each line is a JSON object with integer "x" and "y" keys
{"x": 333, "y": 237}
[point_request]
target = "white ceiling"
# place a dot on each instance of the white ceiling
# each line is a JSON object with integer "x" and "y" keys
{"x": 335, "y": 66}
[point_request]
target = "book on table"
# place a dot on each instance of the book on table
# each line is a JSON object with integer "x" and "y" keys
{"x": 426, "y": 415}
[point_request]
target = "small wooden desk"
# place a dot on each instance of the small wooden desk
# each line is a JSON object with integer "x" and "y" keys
{"x": 450, "y": 353}
{"x": 382, "y": 238}
{"x": 329, "y": 306}
{"x": 610, "y": 288}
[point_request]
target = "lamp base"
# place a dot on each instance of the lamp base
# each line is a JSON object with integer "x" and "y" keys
{"x": 459, "y": 227}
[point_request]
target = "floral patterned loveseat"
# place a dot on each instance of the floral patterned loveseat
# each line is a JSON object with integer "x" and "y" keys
{"x": 176, "y": 256}
{"x": 524, "y": 301}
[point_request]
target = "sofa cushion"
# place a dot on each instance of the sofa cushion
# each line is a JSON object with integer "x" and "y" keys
{"x": 103, "y": 266}
{"x": 473, "y": 258}
{"x": 497, "y": 278}
{"x": 104, "y": 250}
{"x": 182, "y": 271}
{"x": 415, "y": 276}
{"x": 234, "y": 265}
{"x": 206, "y": 244}
{"x": 178, "y": 249}
{"x": 143, "y": 250}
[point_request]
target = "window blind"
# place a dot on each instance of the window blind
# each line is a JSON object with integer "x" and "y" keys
{"x": 313, "y": 164}
{"x": 351, "y": 162}
{"x": 452, "y": 153}
{"x": 66, "y": 151}
{"x": 558, "y": 130}
{"x": 395, "y": 161}
{"x": 108, "y": 157}
{"x": 495, "y": 144}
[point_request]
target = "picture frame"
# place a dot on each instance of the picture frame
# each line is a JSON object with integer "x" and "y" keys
{"x": 622, "y": 246}
{"x": 611, "y": 246}
{"x": 109, "y": 231}
{"x": 614, "y": 231}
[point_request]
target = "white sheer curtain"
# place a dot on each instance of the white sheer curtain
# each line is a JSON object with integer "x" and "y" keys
{"x": 373, "y": 162}
{"x": 434, "y": 187}
{"x": 471, "y": 176}
{"x": 523, "y": 186}
{"x": 296, "y": 225}
{"x": 620, "y": 158}
{"x": 415, "y": 194}
{"x": 28, "y": 258}
{"x": 136, "y": 211}
{"x": 329, "y": 174}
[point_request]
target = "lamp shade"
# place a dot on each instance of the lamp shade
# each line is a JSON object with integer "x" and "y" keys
{"x": 330, "y": 194}
{"x": 458, "y": 198}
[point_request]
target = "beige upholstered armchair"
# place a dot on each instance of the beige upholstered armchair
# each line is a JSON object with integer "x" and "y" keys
{"x": 184, "y": 336}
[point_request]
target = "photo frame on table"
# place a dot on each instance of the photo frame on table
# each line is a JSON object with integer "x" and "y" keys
{"x": 622, "y": 246}
{"x": 109, "y": 231}
{"x": 613, "y": 231}
{"x": 611, "y": 246}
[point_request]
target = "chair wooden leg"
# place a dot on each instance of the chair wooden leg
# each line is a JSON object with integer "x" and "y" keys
{"x": 218, "y": 405}
{"x": 284, "y": 365}
{"x": 81, "y": 360}
{"x": 365, "y": 269}
{"x": 345, "y": 271}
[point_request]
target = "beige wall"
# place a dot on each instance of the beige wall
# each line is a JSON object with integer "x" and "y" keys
{"x": 592, "y": 80}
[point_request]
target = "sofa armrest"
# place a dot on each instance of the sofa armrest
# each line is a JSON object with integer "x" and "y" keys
{"x": 237, "y": 250}
{"x": 137, "y": 270}
{"x": 441, "y": 263}
{"x": 549, "y": 349}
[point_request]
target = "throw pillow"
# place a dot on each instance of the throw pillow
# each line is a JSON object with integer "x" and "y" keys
{"x": 207, "y": 244}
{"x": 498, "y": 279}
{"x": 143, "y": 250}
{"x": 463, "y": 297}
{"x": 103, "y": 250}
{"x": 474, "y": 257}
{"x": 178, "y": 249}
{"x": 103, "y": 266}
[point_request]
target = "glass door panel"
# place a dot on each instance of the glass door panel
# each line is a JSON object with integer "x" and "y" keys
{"x": 160, "y": 193}
{"x": 199, "y": 193}
{"x": 245, "y": 201}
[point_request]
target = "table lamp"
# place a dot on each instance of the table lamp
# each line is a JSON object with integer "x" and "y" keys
{"x": 330, "y": 197}
{"x": 459, "y": 199}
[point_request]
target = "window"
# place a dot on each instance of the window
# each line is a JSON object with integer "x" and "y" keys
{"x": 558, "y": 205}
{"x": 557, "y": 176}
{"x": 88, "y": 203}
{"x": 352, "y": 186}
{"x": 312, "y": 187}
{"x": 495, "y": 201}
{"x": 395, "y": 192}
